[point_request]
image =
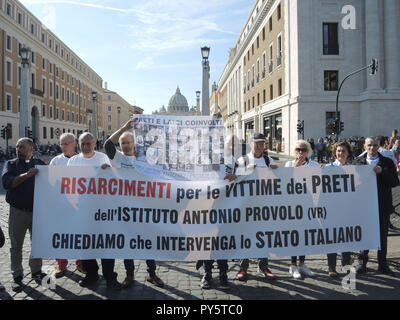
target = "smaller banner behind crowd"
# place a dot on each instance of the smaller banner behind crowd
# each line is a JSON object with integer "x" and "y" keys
{"x": 85, "y": 213}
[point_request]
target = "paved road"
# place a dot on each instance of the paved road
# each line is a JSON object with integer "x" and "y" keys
{"x": 182, "y": 279}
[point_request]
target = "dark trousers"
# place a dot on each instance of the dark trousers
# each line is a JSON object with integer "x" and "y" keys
{"x": 301, "y": 259}
{"x": 130, "y": 267}
{"x": 384, "y": 220}
{"x": 262, "y": 263}
{"x": 346, "y": 258}
{"x": 222, "y": 266}
{"x": 92, "y": 268}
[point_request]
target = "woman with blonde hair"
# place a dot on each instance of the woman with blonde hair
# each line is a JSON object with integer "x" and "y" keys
{"x": 303, "y": 152}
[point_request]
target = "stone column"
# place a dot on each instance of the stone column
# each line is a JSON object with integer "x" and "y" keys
{"x": 373, "y": 29}
{"x": 392, "y": 44}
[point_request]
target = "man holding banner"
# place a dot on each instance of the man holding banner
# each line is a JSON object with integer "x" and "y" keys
{"x": 256, "y": 158}
{"x": 386, "y": 179}
{"x": 18, "y": 179}
{"x": 90, "y": 157}
{"x": 126, "y": 159}
{"x": 68, "y": 148}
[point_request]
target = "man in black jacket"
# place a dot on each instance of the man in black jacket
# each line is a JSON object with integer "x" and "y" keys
{"x": 386, "y": 179}
{"x": 18, "y": 179}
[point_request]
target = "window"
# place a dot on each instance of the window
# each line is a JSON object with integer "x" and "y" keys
{"x": 9, "y": 43}
{"x": 109, "y": 108}
{"x": 43, "y": 38}
{"x": 44, "y": 132}
{"x": 62, "y": 94}
{"x": 253, "y": 75}
{"x": 258, "y": 42}
{"x": 264, "y": 65}
{"x": 279, "y": 87}
{"x": 263, "y": 33}
{"x": 279, "y": 51}
{"x": 8, "y": 9}
{"x": 44, "y": 86}
{"x": 253, "y": 102}
{"x": 258, "y": 71}
{"x": 9, "y": 71}
{"x": 331, "y": 80}
{"x": 32, "y": 28}
{"x": 330, "y": 38}
{"x": 57, "y": 97}
{"x": 51, "y": 112}
{"x": 43, "y": 64}
{"x": 109, "y": 118}
{"x": 270, "y": 24}
{"x": 264, "y": 96}
{"x": 33, "y": 57}
{"x": 51, "y": 133}
{"x": 279, "y": 13}
{"x": 73, "y": 117}
{"x": 252, "y": 49}
{"x": 9, "y": 102}
{"x": 56, "y": 113}
{"x": 62, "y": 114}
{"x": 43, "y": 110}
{"x": 19, "y": 75}
{"x": 19, "y": 104}
{"x": 258, "y": 99}
{"x": 51, "y": 88}
{"x": 271, "y": 91}
{"x": 51, "y": 68}
{"x": 67, "y": 115}
{"x": 271, "y": 58}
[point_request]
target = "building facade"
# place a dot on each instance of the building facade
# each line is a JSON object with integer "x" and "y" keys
{"x": 292, "y": 55}
{"x": 117, "y": 111}
{"x": 60, "y": 84}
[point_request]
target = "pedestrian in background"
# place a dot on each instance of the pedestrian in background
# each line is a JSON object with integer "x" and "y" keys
{"x": 2, "y": 241}
{"x": 19, "y": 180}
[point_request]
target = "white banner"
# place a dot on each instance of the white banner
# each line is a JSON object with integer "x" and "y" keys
{"x": 84, "y": 213}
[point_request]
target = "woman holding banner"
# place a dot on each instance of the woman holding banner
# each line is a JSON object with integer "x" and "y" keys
{"x": 302, "y": 152}
{"x": 342, "y": 152}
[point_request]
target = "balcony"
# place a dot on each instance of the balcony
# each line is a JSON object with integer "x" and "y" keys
{"x": 37, "y": 92}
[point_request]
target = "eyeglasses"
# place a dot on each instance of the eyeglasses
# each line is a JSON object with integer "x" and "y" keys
{"x": 301, "y": 149}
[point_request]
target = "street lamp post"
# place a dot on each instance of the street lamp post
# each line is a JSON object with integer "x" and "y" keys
{"x": 94, "y": 115}
{"x": 339, "y": 124}
{"x": 197, "y": 103}
{"x": 24, "y": 105}
{"x": 205, "y": 103}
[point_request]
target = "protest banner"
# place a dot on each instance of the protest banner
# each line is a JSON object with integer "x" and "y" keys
{"x": 85, "y": 213}
{"x": 180, "y": 147}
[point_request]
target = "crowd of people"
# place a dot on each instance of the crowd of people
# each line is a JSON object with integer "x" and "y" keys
{"x": 18, "y": 180}
{"x": 322, "y": 148}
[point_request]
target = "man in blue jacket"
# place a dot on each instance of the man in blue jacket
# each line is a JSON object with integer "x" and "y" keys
{"x": 19, "y": 180}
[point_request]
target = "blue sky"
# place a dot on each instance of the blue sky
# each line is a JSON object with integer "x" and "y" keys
{"x": 145, "y": 48}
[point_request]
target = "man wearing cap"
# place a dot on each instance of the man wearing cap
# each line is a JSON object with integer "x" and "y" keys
{"x": 256, "y": 158}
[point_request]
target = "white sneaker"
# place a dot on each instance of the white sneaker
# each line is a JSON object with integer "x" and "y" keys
{"x": 294, "y": 272}
{"x": 304, "y": 270}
